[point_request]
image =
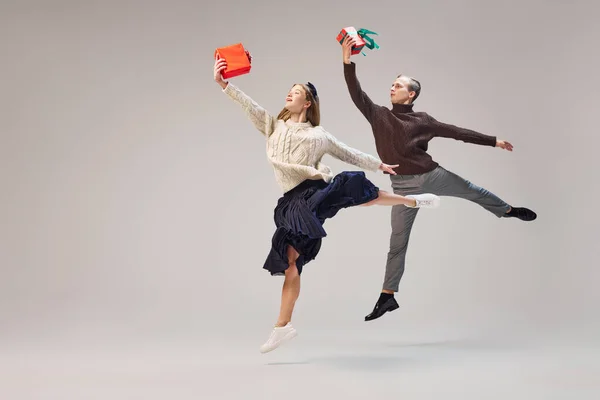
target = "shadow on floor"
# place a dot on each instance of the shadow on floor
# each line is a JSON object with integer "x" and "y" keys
{"x": 474, "y": 344}
{"x": 355, "y": 362}
{"x": 388, "y": 356}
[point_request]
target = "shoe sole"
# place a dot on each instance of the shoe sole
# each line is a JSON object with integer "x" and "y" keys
{"x": 526, "y": 219}
{"x": 283, "y": 340}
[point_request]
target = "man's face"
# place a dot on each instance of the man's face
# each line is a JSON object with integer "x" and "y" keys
{"x": 400, "y": 92}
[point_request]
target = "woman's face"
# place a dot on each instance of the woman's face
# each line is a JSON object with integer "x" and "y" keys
{"x": 296, "y": 101}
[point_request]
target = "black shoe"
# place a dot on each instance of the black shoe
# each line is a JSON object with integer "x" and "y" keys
{"x": 524, "y": 214}
{"x": 381, "y": 308}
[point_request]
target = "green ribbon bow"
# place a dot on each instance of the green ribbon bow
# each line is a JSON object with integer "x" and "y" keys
{"x": 369, "y": 42}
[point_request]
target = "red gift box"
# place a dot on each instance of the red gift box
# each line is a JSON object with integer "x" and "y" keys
{"x": 238, "y": 60}
{"x": 360, "y": 43}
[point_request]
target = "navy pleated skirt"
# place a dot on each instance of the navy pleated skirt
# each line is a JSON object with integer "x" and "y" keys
{"x": 301, "y": 212}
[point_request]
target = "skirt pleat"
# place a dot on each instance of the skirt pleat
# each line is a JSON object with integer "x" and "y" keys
{"x": 300, "y": 214}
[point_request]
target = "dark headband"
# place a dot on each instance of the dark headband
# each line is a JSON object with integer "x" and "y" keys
{"x": 313, "y": 90}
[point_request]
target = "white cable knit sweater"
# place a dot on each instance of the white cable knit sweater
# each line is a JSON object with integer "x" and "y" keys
{"x": 295, "y": 149}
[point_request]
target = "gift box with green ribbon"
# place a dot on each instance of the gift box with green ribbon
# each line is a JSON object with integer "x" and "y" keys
{"x": 362, "y": 39}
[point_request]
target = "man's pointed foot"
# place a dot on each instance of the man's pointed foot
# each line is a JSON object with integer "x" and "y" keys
{"x": 381, "y": 307}
{"x": 522, "y": 213}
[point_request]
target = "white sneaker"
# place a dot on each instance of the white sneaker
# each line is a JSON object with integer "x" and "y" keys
{"x": 279, "y": 335}
{"x": 426, "y": 200}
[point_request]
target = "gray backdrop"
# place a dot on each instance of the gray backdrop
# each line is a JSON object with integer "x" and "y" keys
{"x": 137, "y": 199}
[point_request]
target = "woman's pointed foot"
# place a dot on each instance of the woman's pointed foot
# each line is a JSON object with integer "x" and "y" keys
{"x": 426, "y": 200}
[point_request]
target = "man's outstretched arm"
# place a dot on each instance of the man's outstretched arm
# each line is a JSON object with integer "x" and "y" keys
{"x": 442, "y": 129}
{"x": 359, "y": 97}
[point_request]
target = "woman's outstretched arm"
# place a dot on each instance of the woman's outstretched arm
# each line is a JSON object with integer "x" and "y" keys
{"x": 259, "y": 117}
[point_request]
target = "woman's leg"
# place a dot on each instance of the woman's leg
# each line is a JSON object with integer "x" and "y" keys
{"x": 391, "y": 199}
{"x": 426, "y": 200}
{"x": 290, "y": 290}
{"x": 283, "y": 330}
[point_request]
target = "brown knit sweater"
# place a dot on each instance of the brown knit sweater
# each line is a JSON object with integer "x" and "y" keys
{"x": 401, "y": 134}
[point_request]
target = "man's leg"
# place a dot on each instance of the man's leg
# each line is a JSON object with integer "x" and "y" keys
{"x": 445, "y": 183}
{"x": 402, "y": 220}
{"x": 442, "y": 183}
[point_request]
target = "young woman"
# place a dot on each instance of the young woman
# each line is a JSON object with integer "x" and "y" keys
{"x": 311, "y": 194}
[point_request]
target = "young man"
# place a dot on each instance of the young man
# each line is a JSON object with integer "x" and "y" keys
{"x": 401, "y": 137}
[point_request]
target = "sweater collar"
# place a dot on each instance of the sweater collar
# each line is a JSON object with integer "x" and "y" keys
{"x": 402, "y": 108}
{"x": 290, "y": 123}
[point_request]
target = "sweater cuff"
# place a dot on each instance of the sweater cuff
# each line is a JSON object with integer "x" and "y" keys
{"x": 228, "y": 89}
{"x": 493, "y": 141}
{"x": 374, "y": 164}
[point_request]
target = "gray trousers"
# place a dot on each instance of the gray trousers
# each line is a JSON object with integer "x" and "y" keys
{"x": 442, "y": 183}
